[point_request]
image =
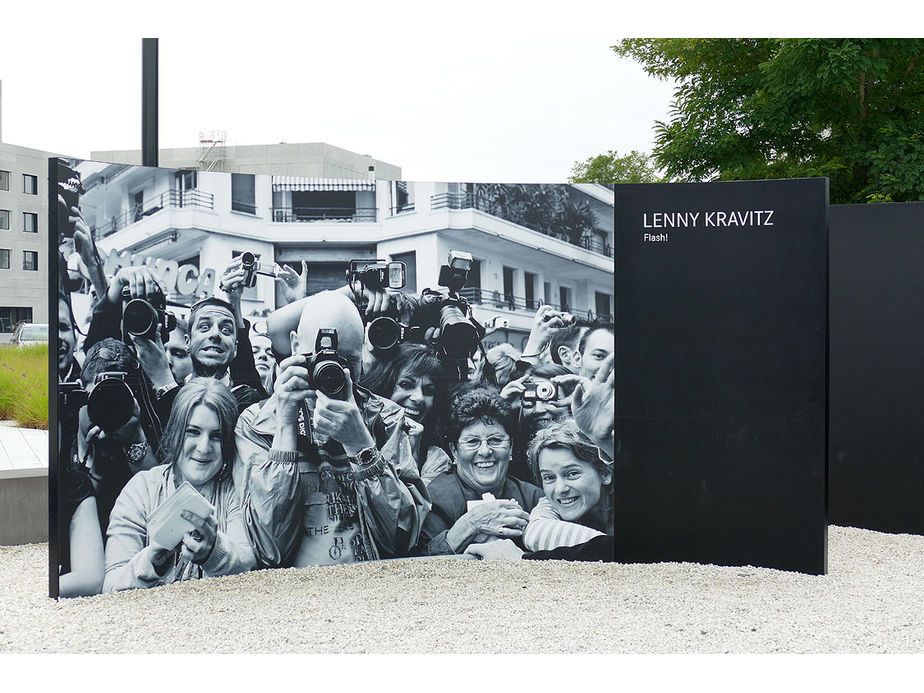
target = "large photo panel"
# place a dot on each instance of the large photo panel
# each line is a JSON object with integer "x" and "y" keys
{"x": 258, "y": 371}
{"x": 721, "y": 373}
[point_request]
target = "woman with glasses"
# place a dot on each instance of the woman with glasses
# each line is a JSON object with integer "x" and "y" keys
{"x": 475, "y": 500}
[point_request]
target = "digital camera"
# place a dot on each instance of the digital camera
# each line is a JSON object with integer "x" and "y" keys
{"x": 143, "y": 318}
{"x": 325, "y": 366}
{"x": 542, "y": 391}
{"x": 111, "y": 403}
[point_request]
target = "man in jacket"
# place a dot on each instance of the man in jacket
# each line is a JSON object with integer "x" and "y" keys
{"x": 327, "y": 479}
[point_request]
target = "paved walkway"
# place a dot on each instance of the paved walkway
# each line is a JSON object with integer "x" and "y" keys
{"x": 22, "y": 448}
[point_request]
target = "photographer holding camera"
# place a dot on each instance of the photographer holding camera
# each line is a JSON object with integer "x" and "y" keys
{"x": 325, "y": 468}
{"x": 114, "y": 434}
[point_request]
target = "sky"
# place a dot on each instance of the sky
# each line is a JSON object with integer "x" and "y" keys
{"x": 467, "y": 91}
{"x": 477, "y": 90}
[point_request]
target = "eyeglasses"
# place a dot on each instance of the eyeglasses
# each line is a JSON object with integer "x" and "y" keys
{"x": 494, "y": 442}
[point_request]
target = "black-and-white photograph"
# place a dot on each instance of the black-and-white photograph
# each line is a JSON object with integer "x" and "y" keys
{"x": 262, "y": 371}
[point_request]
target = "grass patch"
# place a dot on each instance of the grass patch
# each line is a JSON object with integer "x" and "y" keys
{"x": 24, "y": 385}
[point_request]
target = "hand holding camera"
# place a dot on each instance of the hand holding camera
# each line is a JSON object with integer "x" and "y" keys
{"x": 341, "y": 420}
{"x": 134, "y": 282}
{"x": 153, "y": 358}
{"x": 545, "y": 322}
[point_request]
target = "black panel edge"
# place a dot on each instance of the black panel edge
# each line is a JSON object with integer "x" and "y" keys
{"x": 53, "y": 443}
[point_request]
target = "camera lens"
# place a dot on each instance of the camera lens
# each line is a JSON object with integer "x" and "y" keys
{"x": 110, "y": 404}
{"x": 328, "y": 377}
{"x": 545, "y": 391}
{"x": 457, "y": 335}
{"x": 140, "y": 318}
{"x": 248, "y": 258}
{"x": 384, "y": 333}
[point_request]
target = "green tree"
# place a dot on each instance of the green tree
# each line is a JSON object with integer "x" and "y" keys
{"x": 634, "y": 167}
{"x": 848, "y": 109}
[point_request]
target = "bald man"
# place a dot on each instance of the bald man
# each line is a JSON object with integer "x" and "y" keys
{"x": 327, "y": 479}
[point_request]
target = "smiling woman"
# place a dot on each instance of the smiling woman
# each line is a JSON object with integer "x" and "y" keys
{"x": 479, "y": 429}
{"x": 198, "y": 448}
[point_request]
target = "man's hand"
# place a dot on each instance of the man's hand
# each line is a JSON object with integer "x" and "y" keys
{"x": 497, "y": 550}
{"x": 545, "y": 322}
{"x": 153, "y": 359}
{"x": 140, "y": 281}
{"x": 594, "y": 406}
{"x": 342, "y": 420}
{"x": 291, "y": 389}
{"x": 232, "y": 283}
{"x": 294, "y": 284}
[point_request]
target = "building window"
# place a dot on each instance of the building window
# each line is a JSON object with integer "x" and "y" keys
{"x": 4, "y": 218}
{"x": 603, "y": 306}
{"x": 508, "y": 287}
{"x": 4, "y": 180}
{"x": 4, "y": 258}
{"x": 243, "y": 195}
{"x": 564, "y": 300}
{"x": 9, "y": 317}
{"x": 30, "y": 260}
{"x": 547, "y": 292}
{"x": 29, "y": 184}
{"x": 30, "y": 222}
{"x": 529, "y": 281}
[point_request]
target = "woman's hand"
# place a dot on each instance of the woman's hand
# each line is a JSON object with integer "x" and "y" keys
{"x": 594, "y": 406}
{"x": 199, "y": 542}
{"x": 514, "y": 390}
{"x": 498, "y": 550}
{"x": 498, "y": 518}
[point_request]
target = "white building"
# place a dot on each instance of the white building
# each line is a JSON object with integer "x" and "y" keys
{"x": 23, "y": 237}
{"x": 190, "y": 224}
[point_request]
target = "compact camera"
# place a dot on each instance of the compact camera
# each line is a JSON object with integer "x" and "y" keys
{"x": 567, "y": 318}
{"x": 542, "y": 391}
{"x": 111, "y": 403}
{"x": 325, "y": 366}
{"x": 143, "y": 318}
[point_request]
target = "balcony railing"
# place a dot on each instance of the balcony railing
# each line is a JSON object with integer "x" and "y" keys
{"x": 351, "y": 214}
{"x": 402, "y": 209}
{"x": 172, "y": 198}
{"x": 469, "y": 200}
{"x": 496, "y": 299}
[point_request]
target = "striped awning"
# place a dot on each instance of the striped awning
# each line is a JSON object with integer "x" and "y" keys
{"x": 300, "y": 184}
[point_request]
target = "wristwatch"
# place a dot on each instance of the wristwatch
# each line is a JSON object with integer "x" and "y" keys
{"x": 163, "y": 390}
{"x": 136, "y": 452}
{"x": 367, "y": 455}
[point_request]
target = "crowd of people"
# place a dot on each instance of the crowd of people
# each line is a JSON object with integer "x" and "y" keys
{"x": 310, "y": 445}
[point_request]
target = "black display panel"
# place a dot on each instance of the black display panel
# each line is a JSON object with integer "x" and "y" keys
{"x": 721, "y": 373}
{"x": 877, "y": 379}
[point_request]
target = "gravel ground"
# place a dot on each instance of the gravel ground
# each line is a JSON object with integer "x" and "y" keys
{"x": 869, "y": 602}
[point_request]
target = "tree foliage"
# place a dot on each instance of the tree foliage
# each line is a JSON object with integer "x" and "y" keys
{"x": 848, "y": 109}
{"x": 548, "y": 209}
{"x": 634, "y": 167}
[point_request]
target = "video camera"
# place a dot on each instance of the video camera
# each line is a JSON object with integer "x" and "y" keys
{"x": 325, "y": 366}
{"x": 111, "y": 403}
{"x": 143, "y": 318}
{"x": 253, "y": 268}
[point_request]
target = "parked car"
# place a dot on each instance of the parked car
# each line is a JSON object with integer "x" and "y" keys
{"x": 30, "y": 333}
